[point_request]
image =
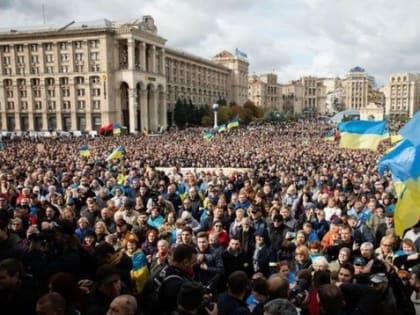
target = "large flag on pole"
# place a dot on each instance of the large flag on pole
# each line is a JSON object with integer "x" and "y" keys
{"x": 116, "y": 154}
{"x": 361, "y": 134}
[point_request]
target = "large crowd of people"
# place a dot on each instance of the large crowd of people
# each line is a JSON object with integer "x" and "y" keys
{"x": 268, "y": 220}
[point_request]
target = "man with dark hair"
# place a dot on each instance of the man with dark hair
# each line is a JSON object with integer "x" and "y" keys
{"x": 209, "y": 267}
{"x": 9, "y": 242}
{"x": 278, "y": 287}
{"x": 18, "y": 291}
{"x": 346, "y": 273}
{"x": 331, "y": 300}
{"x": 179, "y": 270}
{"x": 233, "y": 257}
{"x": 231, "y": 302}
{"x": 107, "y": 287}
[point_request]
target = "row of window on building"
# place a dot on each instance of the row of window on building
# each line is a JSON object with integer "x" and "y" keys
{"x": 38, "y": 125}
{"x": 34, "y": 47}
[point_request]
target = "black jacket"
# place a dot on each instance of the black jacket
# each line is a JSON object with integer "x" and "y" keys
{"x": 169, "y": 290}
{"x": 230, "y": 305}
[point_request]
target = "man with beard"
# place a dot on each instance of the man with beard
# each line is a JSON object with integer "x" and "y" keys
{"x": 277, "y": 231}
{"x": 233, "y": 258}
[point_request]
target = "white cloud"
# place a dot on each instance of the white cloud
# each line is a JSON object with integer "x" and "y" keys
{"x": 294, "y": 37}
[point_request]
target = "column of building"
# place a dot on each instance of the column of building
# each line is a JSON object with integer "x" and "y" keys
{"x": 144, "y": 108}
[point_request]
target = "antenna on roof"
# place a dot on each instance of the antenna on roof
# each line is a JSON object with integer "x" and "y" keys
{"x": 66, "y": 26}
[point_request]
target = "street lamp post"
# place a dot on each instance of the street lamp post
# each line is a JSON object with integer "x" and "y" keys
{"x": 215, "y": 110}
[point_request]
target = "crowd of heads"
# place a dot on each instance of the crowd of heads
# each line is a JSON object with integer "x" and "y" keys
{"x": 294, "y": 214}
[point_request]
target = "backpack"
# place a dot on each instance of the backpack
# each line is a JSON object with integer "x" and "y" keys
{"x": 153, "y": 288}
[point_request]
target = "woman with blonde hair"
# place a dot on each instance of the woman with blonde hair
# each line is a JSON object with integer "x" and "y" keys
{"x": 101, "y": 231}
{"x": 302, "y": 259}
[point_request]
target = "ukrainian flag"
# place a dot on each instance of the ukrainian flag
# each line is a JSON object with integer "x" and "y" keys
{"x": 403, "y": 161}
{"x": 116, "y": 131}
{"x": 234, "y": 123}
{"x": 221, "y": 128}
{"x": 411, "y": 130}
{"x": 116, "y": 154}
{"x": 329, "y": 136}
{"x": 84, "y": 151}
{"x": 396, "y": 138}
{"x": 208, "y": 135}
{"x": 361, "y": 134}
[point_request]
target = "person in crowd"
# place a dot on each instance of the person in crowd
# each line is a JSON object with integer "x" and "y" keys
{"x": 179, "y": 271}
{"x": 234, "y": 258}
{"x": 209, "y": 266}
{"x": 232, "y": 301}
{"x": 51, "y": 303}
{"x": 140, "y": 271}
{"x": 107, "y": 287}
{"x": 263, "y": 256}
{"x": 124, "y": 304}
{"x": 18, "y": 290}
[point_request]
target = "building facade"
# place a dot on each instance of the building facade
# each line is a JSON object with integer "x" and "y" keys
{"x": 314, "y": 95}
{"x": 85, "y": 75}
{"x": 238, "y": 78}
{"x": 357, "y": 85}
{"x": 292, "y": 97}
{"x": 257, "y": 91}
{"x": 265, "y": 91}
{"x": 402, "y": 95}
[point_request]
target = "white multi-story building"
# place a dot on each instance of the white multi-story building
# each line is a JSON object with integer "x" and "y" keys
{"x": 402, "y": 94}
{"x": 84, "y": 75}
{"x": 357, "y": 86}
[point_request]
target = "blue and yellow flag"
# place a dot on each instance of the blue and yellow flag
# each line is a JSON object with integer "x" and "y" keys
{"x": 221, "y": 128}
{"x": 329, "y": 136}
{"x": 208, "y": 135}
{"x": 396, "y": 138}
{"x": 233, "y": 123}
{"x": 411, "y": 130}
{"x": 84, "y": 150}
{"x": 361, "y": 134}
{"x": 403, "y": 161}
{"x": 116, "y": 154}
{"x": 116, "y": 130}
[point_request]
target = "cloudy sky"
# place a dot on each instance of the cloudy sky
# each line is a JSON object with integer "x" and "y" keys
{"x": 291, "y": 37}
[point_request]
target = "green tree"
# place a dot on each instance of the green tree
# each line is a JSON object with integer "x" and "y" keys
{"x": 180, "y": 113}
{"x": 224, "y": 114}
{"x": 206, "y": 121}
